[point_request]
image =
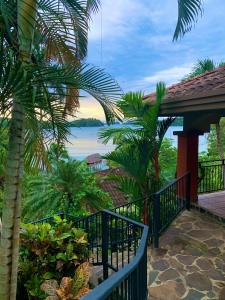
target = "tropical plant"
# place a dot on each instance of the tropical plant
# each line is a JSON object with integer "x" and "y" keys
{"x": 49, "y": 251}
{"x": 57, "y": 152}
{"x": 69, "y": 187}
{"x": 138, "y": 144}
{"x": 69, "y": 288}
{"x": 203, "y": 66}
{"x": 215, "y": 146}
{"x": 38, "y": 39}
{"x": 167, "y": 160}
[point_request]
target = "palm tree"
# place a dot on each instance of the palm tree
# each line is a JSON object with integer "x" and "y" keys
{"x": 42, "y": 44}
{"x": 138, "y": 146}
{"x": 70, "y": 187}
{"x": 201, "y": 67}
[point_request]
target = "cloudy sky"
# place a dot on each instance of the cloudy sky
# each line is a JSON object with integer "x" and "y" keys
{"x": 134, "y": 43}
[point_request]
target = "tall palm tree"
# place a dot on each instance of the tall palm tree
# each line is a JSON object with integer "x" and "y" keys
{"x": 42, "y": 44}
{"x": 137, "y": 147}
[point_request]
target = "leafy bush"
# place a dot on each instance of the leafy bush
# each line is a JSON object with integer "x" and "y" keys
{"x": 69, "y": 187}
{"x": 49, "y": 252}
{"x": 69, "y": 288}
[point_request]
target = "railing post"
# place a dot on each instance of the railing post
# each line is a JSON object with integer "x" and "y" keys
{"x": 188, "y": 192}
{"x": 105, "y": 244}
{"x": 156, "y": 219}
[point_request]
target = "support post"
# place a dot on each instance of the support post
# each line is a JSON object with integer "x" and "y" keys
{"x": 187, "y": 159}
{"x": 156, "y": 219}
{"x": 105, "y": 244}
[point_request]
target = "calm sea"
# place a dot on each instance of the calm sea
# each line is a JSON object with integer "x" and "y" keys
{"x": 84, "y": 141}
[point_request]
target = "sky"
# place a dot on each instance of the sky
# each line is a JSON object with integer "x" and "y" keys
{"x": 132, "y": 41}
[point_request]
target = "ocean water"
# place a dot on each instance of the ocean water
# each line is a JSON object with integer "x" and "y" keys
{"x": 84, "y": 141}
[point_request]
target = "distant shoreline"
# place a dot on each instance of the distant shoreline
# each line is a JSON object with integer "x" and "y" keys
{"x": 86, "y": 123}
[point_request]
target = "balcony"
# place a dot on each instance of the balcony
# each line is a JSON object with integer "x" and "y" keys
{"x": 179, "y": 255}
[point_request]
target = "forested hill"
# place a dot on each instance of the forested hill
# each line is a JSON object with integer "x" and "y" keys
{"x": 86, "y": 123}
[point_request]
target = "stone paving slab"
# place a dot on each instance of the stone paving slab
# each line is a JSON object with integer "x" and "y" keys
{"x": 190, "y": 263}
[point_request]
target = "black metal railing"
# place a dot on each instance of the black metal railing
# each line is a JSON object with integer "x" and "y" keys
{"x": 119, "y": 245}
{"x": 160, "y": 208}
{"x": 168, "y": 203}
{"x": 211, "y": 176}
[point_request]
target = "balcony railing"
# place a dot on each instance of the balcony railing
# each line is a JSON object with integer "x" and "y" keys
{"x": 168, "y": 203}
{"x": 118, "y": 240}
{"x": 211, "y": 176}
{"x": 160, "y": 208}
{"x": 119, "y": 245}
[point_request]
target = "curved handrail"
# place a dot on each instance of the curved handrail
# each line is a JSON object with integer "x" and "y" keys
{"x": 104, "y": 290}
{"x": 107, "y": 287}
{"x": 106, "y": 230}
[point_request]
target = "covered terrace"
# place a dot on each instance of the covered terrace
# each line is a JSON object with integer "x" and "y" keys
{"x": 201, "y": 102}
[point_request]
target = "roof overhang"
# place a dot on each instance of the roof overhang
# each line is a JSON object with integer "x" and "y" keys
{"x": 203, "y": 94}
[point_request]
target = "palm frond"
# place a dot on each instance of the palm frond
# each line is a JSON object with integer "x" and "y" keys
{"x": 93, "y": 6}
{"x": 162, "y": 128}
{"x": 133, "y": 158}
{"x": 132, "y": 105}
{"x": 188, "y": 13}
{"x": 117, "y": 135}
{"x": 150, "y": 118}
{"x": 128, "y": 186}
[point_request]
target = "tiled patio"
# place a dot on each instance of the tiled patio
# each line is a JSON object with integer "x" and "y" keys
{"x": 190, "y": 263}
{"x": 214, "y": 203}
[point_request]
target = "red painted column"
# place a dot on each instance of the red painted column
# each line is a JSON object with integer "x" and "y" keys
{"x": 187, "y": 159}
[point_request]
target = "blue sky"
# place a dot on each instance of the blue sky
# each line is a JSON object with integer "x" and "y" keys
{"x": 137, "y": 47}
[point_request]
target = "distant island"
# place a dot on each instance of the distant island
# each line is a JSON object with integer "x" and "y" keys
{"x": 90, "y": 122}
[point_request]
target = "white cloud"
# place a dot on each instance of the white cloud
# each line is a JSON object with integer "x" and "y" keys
{"x": 168, "y": 76}
{"x": 118, "y": 18}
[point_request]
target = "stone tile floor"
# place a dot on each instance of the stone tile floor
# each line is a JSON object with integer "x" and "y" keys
{"x": 190, "y": 263}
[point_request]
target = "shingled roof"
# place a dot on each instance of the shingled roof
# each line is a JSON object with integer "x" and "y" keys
{"x": 205, "y": 92}
{"x": 111, "y": 186}
{"x": 94, "y": 159}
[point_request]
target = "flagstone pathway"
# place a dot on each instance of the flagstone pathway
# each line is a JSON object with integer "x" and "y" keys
{"x": 190, "y": 263}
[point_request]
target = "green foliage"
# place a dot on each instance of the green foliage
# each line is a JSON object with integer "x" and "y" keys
{"x": 212, "y": 140}
{"x": 70, "y": 187}
{"x": 49, "y": 251}
{"x": 167, "y": 160}
{"x": 57, "y": 152}
{"x": 138, "y": 145}
{"x": 90, "y": 122}
{"x": 69, "y": 288}
{"x": 203, "y": 66}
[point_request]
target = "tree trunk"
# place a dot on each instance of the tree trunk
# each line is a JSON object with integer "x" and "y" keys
{"x": 9, "y": 245}
{"x": 219, "y": 141}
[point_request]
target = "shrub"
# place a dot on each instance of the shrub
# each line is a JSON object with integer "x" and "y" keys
{"x": 49, "y": 252}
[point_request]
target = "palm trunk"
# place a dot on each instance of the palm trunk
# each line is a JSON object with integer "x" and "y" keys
{"x": 156, "y": 165}
{"x": 9, "y": 244}
{"x": 219, "y": 141}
